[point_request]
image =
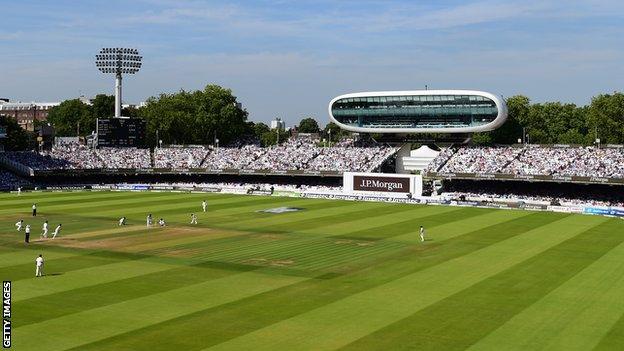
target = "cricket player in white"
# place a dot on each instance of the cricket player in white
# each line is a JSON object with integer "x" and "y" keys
{"x": 45, "y": 230}
{"x": 57, "y": 230}
{"x": 39, "y": 263}
{"x": 149, "y": 220}
{"x": 122, "y": 221}
{"x": 19, "y": 225}
{"x": 193, "y": 218}
{"x": 422, "y": 234}
{"x": 204, "y": 205}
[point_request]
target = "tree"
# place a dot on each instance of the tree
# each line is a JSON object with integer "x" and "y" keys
{"x": 517, "y": 110}
{"x": 103, "y": 106}
{"x": 70, "y": 116}
{"x": 196, "y": 117}
{"x": 17, "y": 138}
{"x": 548, "y": 122}
{"x": 308, "y": 125}
{"x": 606, "y": 118}
{"x": 270, "y": 138}
{"x": 332, "y": 129}
{"x": 259, "y": 129}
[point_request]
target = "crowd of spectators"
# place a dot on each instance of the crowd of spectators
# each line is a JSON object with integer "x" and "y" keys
{"x": 233, "y": 157}
{"x": 595, "y": 162}
{"x": 558, "y": 194}
{"x": 179, "y": 157}
{"x": 294, "y": 154}
{"x": 128, "y": 157}
{"x": 533, "y": 160}
{"x": 75, "y": 156}
{"x": 350, "y": 156}
{"x": 440, "y": 160}
{"x": 480, "y": 159}
{"x": 300, "y": 154}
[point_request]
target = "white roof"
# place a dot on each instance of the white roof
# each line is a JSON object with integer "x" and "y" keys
{"x": 425, "y": 152}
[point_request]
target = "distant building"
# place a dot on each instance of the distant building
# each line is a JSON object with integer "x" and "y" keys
{"x": 26, "y": 113}
{"x": 278, "y": 124}
{"x": 418, "y": 111}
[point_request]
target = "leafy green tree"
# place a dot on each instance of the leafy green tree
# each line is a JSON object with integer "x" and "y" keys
{"x": 196, "y": 117}
{"x": 103, "y": 106}
{"x": 308, "y": 125}
{"x": 517, "y": 111}
{"x": 606, "y": 118}
{"x": 334, "y": 132}
{"x": 259, "y": 129}
{"x": 548, "y": 122}
{"x": 70, "y": 116}
{"x": 17, "y": 138}
{"x": 271, "y": 137}
{"x": 482, "y": 138}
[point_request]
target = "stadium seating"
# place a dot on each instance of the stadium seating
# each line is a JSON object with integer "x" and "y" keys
{"x": 533, "y": 160}
{"x": 301, "y": 154}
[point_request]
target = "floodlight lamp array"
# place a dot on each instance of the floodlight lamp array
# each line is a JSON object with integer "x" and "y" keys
{"x": 118, "y": 60}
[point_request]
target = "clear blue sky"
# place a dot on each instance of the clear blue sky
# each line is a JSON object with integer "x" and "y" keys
{"x": 289, "y": 58}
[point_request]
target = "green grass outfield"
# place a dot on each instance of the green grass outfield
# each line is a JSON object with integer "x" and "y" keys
{"x": 337, "y": 275}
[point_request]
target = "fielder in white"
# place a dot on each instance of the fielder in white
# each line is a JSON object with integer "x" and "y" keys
{"x": 204, "y": 205}
{"x": 122, "y": 221}
{"x": 149, "y": 220}
{"x": 193, "y": 218}
{"x": 39, "y": 263}
{"x": 57, "y": 230}
{"x": 422, "y": 234}
{"x": 19, "y": 225}
{"x": 45, "y": 230}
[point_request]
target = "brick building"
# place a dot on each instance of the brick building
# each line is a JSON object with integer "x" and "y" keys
{"x": 26, "y": 112}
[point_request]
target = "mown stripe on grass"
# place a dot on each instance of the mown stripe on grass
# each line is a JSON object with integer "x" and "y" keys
{"x": 105, "y": 293}
{"x": 344, "y": 321}
{"x": 448, "y": 230}
{"x": 255, "y": 219}
{"x": 614, "y": 338}
{"x": 34, "y": 287}
{"x": 349, "y": 225}
{"x": 411, "y": 225}
{"x": 93, "y": 204}
{"x": 50, "y": 199}
{"x": 464, "y": 318}
{"x": 56, "y": 266}
{"x": 28, "y": 255}
{"x": 88, "y": 326}
{"x": 378, "y": 210}
{"x": 239, "y": 318}
{"x": 578, "y": 313}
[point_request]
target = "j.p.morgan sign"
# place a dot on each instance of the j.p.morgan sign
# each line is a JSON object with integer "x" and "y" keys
{"x": 381, "y": 184}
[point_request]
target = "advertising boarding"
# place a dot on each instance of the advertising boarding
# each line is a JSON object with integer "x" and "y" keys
{"x": 382, "y": 183}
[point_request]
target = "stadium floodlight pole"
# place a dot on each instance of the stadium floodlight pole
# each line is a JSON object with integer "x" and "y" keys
{"x": 118, "y": 61}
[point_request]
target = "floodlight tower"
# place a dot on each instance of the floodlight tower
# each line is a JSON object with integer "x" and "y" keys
{"x": 118, "y": 61}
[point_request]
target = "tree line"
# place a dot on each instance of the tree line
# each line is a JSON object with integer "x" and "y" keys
{"x": 197, "y": 117}
{"x": 560, "y": 123}
{"x": 205, "y": 116}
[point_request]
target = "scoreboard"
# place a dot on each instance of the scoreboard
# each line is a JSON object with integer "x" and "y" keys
{"x": 120, "y": 132}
